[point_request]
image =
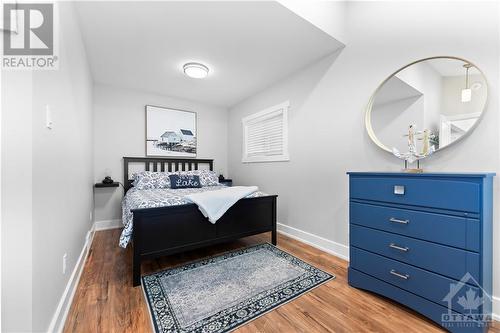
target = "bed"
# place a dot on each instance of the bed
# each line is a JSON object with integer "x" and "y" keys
{"x": 166, "y": 230}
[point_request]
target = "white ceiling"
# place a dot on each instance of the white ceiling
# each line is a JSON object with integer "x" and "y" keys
{"x": 247, "y": 46}
{"x": 450, "y": 67}
{"x": 394, "y": 90}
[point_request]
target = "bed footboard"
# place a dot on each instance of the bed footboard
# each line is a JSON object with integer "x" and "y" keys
{"x": 168, "y": 230}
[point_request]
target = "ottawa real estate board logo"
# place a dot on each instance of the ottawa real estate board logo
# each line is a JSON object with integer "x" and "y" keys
{"x": 29, "y": 36}
{"x": 468, "y": 305}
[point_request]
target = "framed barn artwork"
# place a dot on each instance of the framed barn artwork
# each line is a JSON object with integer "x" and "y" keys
{"x": 170, "y": 132}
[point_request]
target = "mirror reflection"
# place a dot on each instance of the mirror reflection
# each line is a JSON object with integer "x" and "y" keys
{"x": 442, "y": 98}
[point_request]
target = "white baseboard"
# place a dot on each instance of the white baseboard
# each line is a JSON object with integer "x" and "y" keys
{"x": 496, "y": 308}
{"x": 62, "y": 310}
{"x": 323, "y": 244}
{"x": 107, "y": 224}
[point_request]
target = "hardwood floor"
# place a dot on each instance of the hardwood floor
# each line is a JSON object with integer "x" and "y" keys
{"x": 105, "y": 300}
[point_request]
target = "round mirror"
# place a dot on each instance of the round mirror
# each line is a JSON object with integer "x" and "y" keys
{"x": 441, "y": 98}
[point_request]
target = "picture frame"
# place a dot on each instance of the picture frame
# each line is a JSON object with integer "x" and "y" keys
{"x": 170, "y": 132}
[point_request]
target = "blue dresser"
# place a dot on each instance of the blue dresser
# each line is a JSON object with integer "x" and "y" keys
{"x": 425, "y": 241}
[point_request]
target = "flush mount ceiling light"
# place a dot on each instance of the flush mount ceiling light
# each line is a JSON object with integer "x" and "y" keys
{"x": 195, "y": 70}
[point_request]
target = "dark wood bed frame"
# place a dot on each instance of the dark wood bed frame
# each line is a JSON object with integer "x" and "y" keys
{"x": 164, "y": 231}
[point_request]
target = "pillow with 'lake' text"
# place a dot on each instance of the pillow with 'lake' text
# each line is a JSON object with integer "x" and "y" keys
{"x": 184, "y": 181}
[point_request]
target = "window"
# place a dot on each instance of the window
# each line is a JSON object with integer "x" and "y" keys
{"x": 265, "y": 135}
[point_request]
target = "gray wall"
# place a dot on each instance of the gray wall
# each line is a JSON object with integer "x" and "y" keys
{"x": 47, "y": 181}
{"x": 47, "y": 175}
{"x": 120, "y": 130}
{"x": 328, "y": 100}
{"x": 16, "y": 201}
{"x": 62, "y": 168}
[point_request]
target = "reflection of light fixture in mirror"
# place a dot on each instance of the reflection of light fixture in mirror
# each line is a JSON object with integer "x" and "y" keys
{"x": 467, "y": 92}
{"x": 444, "y": 131}
{"x": 476, "y": 85}
{"x": 195, "y": 70}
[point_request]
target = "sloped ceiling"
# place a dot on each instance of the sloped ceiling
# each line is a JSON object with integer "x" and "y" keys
{"x": 247, "y": 46}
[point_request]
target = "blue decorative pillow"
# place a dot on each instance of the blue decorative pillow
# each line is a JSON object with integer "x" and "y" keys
{"x": 184, "y": 181}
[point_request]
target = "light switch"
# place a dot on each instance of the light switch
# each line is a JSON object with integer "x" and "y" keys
{"x": 48, "y": 117}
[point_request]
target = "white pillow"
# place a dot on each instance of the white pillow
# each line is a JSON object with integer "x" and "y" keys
{"x": 207, "y": 177}
{"x": 147, "y": 180}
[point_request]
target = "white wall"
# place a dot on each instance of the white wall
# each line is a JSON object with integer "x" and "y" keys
{"x": 328, "y": 99}
{"x": 120, "y": 130}
{"x": 423, "y": 77}
{"x": 16, "y": 201}
{"x": 49, "y": 174}
{"x": 390, "y": 120}
{"x": 62, "y": 168}
{"x": 452, "y": 89}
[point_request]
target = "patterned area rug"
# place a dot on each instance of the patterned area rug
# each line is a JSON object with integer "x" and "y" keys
{"x": 223, "y": 292}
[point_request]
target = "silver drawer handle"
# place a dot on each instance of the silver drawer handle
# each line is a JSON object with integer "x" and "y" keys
{"x": 399, "y": 189}
{"x": 392, "y": 219}
{"x": 394, "y": 246}
{"x": 402, "y": 276}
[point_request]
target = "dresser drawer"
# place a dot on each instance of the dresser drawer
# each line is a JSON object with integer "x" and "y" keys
{"x": 445, "y": 260}
{"x": 426, "y": 284}
{"x": 434, "y": 193}
{"x": 424, "y": 306}
{"x": 449, "y": 230}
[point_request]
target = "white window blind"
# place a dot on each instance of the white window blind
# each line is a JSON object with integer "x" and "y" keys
{"x": 265, "y": 135}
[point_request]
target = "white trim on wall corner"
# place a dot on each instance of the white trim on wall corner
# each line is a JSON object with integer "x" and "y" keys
{"x": 496, "y": 308}
{"x": 107, "y": 224}
{"x": 323, "y": 244}
{"x": 62, "y": 310}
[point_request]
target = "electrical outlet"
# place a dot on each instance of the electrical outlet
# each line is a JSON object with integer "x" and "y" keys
{"x": 65, "y": 257}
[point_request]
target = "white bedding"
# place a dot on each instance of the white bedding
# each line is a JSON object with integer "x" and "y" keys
{"x": 214, "y": 204}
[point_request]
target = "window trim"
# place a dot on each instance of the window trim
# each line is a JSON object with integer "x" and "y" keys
{"x": 282, "y": 108}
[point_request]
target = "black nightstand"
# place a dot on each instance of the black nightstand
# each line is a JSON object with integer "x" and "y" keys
{"x": 227, "y": 182}
{"x": 99, "y": 185}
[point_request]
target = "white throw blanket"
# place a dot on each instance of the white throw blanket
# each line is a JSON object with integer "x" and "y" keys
{"x": 213, "y": 204}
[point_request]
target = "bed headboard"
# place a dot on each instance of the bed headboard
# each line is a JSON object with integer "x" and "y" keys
{"x": 162, "y": 164}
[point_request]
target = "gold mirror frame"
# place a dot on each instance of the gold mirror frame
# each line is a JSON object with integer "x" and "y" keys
{"x": 368, "y": 109}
